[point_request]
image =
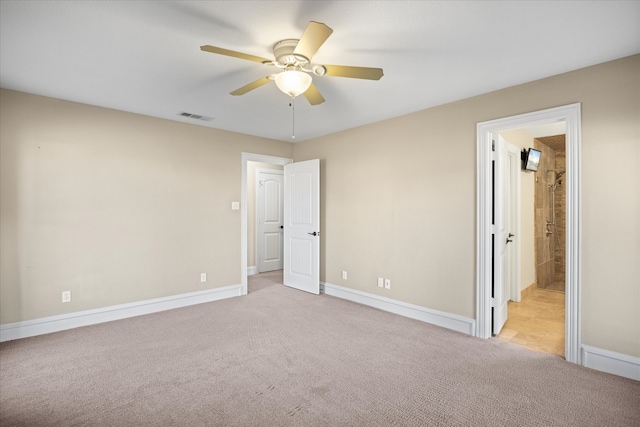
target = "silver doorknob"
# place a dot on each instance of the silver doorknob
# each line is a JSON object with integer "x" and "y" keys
{"x": 313, "y": 234}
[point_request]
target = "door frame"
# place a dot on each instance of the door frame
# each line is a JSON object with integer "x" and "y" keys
{"x": 570, "y": 114}
{"x": 244, "y": 250}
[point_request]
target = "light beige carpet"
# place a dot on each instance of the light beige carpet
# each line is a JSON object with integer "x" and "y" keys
{"x": 281, "y": 357}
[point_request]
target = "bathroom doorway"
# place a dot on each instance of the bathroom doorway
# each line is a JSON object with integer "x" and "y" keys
{"x": 537, "y": 305}
{"x": 569, "y": 116}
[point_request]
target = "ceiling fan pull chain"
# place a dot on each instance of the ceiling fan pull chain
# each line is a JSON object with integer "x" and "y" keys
{"x": 292, "y": 104}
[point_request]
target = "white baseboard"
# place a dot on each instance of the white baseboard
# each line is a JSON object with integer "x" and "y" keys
{"x": 611, "y": 362}
{"x": 446, "y": 320}
{"x": 252, "y": 270}
{"x": 46, "y": 325}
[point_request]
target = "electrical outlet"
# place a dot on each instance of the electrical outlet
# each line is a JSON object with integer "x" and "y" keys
{"x": 387, "y": 283}
{"x": 203, "y": 277}
{"x": 66, "y": 296}
{"x": 380, "y": 282}
{"x": 344, "y": 275}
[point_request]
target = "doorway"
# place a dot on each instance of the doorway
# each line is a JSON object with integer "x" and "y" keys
{"x": 301, "y": 256}
{"x": 536, "y": 306}
{"x": 244, "y": 211}
{"x": 570, "y": 116}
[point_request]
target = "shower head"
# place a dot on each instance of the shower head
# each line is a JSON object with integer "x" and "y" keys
{"x": 557, "y": 174}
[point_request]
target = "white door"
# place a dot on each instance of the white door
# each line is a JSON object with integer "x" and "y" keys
{"x": 269, "y": 219}
{"x": 512, "y": 219}
{"x": 302, "y": 225}
{"x": 500, "y": 290}
{"x": 506, "y": 271}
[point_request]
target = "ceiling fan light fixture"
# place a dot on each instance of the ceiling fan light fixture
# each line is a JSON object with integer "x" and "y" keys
{"x": 293, "y": 82}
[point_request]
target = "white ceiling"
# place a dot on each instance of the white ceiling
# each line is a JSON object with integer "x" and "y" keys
{"x": 144, "y": 56}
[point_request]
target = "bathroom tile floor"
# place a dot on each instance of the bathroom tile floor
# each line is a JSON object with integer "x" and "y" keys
{"x": 555, "y": 286}
{"x": 537, "y": 322}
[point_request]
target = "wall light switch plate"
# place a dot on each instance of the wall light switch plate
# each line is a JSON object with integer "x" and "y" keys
{"x": 387, "y": 283}
{"x": 235, "y": 206}
{"x": 344, "y": 275}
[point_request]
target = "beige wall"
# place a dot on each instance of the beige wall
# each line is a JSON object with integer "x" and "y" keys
{"x": 115, "y": 207}
{"x": 522, "y": 139}
{"x": 399, "y": 199}
{"x": 119, "y": 207}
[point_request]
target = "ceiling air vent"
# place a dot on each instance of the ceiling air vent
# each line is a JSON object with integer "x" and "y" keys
{"x": 195, "y": 116}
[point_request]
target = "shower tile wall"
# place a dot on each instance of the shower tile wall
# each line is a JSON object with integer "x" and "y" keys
{"x": 550, "y": 262}
{"x": 544, "y": 244}
{"x": 561, "y": 217}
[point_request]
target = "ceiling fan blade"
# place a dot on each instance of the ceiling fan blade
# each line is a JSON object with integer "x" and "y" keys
{"x": 313, "y": 37}
{"x": 221, "y": 51}
{"x": 353, "y": 72}
{"x": 313, "y": 95}
{"x": 251, "y": 86}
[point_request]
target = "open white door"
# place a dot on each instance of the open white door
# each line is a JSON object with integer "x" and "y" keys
{"x": 506, "y": 283}
{"x": 512, "y": 218}
{"x": 500, "y": 291}
{"x": 302, "y": 225}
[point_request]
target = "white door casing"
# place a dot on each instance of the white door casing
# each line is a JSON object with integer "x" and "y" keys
{"x": 302, "y": 225}
{"x": 269, "y": 219}
{"x": 570, "y": 115}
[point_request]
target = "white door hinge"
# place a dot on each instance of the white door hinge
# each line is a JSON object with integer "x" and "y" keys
{"x": 493, "y": 302}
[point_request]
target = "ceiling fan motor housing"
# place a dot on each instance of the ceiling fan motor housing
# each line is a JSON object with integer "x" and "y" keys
{"x": 284, "y": 53}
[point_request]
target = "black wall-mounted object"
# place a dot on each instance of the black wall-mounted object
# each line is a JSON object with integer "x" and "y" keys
{"x": 530, "y": 159}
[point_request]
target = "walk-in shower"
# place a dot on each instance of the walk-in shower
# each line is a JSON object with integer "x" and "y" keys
{"x": 557, "y": 180}
{"x": 550, "y": 213}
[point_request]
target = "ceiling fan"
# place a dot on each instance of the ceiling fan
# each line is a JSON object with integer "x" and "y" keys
{"x": 293, "y": 57}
